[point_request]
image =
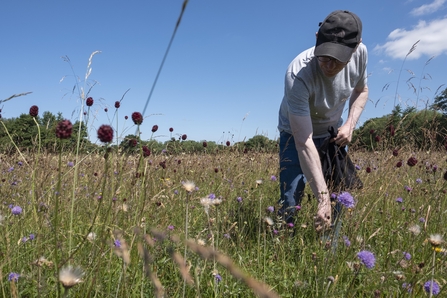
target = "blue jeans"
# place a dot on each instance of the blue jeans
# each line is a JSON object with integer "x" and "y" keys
{"x": 291, "y": 176}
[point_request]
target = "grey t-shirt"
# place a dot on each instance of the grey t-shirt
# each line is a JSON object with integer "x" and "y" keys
{"x": 309, "y": 92}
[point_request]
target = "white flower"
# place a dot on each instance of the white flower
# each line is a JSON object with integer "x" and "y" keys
{"x": 91, "y": 236}
{"x": 189, "y": 186}
{"x": 415, "y": 229}
{"x": 70, "y": 276}
{"x": 269, "y": 221}
{"x": 207, "y": 202}
{"x": 435, "y": 239}
{"x": 259, "y": 181}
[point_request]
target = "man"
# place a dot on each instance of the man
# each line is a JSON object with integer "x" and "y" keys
{"x": 318, "y": 83}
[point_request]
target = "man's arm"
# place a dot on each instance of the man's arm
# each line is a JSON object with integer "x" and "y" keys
{"x": 357, "y": 103}
{"x": 310, "y": 163}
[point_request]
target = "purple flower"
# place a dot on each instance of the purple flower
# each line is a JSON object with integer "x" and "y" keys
{"x": 239, "y": 199}
{"x": 422, "y": 219}
{"x": 20, "y": 163}
{"x": 13, "y": 276}
{"x": 346, "y": 199}
{"x": 117, "y": 243}
{"x": 407, "y": 256}
{"x": 226, "y": 235}
{"x": 170, "y": 227}
{"x": 419, "y": 181}
{"x": 432, "y": 286}
{"x": 10, "y": 169}
{"x": 16, "y": 210}
{"x": 367, "y": 258}
{"x": 211, "y": 196}
{"x": 70, "y": 164}
{"x": 270, "y": 209}
{"x": 346, "y": 240}
{"x": 407, "y": 188}
{"x": 399, "y": 200}
{"x": 31, "y": 236}
{"x": 176, "y": 192}
{"x": 357, "y": 167}
{"x": 218, "y": 277}
{"x": 273, "y": 178}
{"x": 290, "y": 225}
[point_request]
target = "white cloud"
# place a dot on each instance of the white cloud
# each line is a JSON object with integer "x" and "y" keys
{"x": 431, "y": 36}
{"x": 428, "y": 8}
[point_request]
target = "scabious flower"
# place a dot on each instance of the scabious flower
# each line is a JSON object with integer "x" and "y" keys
{"x": 137, "y": 118}
{"x": 407, "y": 256}
{"x": 34, "y": 111}
{"x": 105, "y": 133}
{"x": 399, "y": 200}
{"x": 367, "y": 258}
{"x": 432, "y": 287}
{"x": 117, "y": 243}
{"x": 89, "y": 102}
{"x": 64, "y": 129}
{"x": 70, "y": 164}
{"x": 70, "y": 276}
{"x": 170, "y": 227}
{"x": 346, "y": 199}
{"x": 218, "y": 278}
{"x": 239, "y": 199}
{"x": 418, "y": 180}
{"x": 16, "y": 210}
{"x": 273, "y": 178}
{"x": 13, "y": 276}
{"x": 346, "y": 241}
{"x": 270, "y": 209}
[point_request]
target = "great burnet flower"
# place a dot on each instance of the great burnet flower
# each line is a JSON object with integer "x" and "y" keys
{"x": 70, "y": 276}
{"x": 117, "y": 104}
{"x": 412, "y": 161}
{"x": 64, "y": 129}
{"x": 367, "y": 258}
{"x": 34, "y": 111}
{"x": 154, "y": 128}
{"x": 137, "y": 118}
{"x": 105, "y": 133}
{"x": 432, "y": 286}
{"x": 89, "y": 102}
{"x": 146, "y": 151}
{"x": 346, "y": 199}
{"x": 184, "y": 137}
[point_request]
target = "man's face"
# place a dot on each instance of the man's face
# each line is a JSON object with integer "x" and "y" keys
{"x": 330, "y": 66}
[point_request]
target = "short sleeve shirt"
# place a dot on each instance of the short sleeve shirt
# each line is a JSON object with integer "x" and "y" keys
{"x": 308, "y": 92}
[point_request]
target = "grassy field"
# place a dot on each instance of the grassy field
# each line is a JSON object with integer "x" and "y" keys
{"x": 203, "y": 225}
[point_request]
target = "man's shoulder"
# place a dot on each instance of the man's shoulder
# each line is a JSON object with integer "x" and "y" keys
{"x": 301, "y": 60}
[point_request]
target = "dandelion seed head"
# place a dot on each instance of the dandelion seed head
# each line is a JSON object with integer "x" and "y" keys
{"x": 415, "y": 229}
{"x": 189, "y": 186}
{"x": 70, "y": 276}
{"x": 435, "y": 240}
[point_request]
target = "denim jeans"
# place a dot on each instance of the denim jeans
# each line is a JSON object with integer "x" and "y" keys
{"x": 291, "y": 176}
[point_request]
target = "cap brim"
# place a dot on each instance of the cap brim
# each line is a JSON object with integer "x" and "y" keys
{"x": 340, "y": 52}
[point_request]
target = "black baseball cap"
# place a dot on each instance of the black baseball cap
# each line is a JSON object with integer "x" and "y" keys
{"x": 338, "y": 35}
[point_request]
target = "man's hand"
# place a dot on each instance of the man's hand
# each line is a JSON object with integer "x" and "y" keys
{"x": 344, "y": 136}
{"x": 323, "y": 217}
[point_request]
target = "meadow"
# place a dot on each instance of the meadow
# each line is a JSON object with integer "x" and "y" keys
{"x": 108, "y": 224}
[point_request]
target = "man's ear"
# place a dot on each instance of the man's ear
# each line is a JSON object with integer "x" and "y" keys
{"x": 316, "y": 35}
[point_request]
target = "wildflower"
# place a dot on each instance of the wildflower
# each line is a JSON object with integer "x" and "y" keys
{"x": 34, "y": 111}
{"x": 189, "y": 186}
{"x": 395, "y": 152}
{"x": 273, "y": 178}
{"x": 270, "y": 209}
{"x": 357, "y": 167}
{"x": 16, "y": 210}
{"x": 70, "y": 164}
{"x": 399, "y": 200}
{"x": 372, "y": 131}
{"x": 218, "y": 278}
{"x": 64, "y": 129}
{"x": 407, "y": 188}
{"x": 368, "y": 170}
{"x": 126, "y": 117}
{"x": 239, "y": 199}
{"x": 290, "y": 225}
{"x": 212, "y": 196}
{"x": 20, "y": 163}
{"x": 117, "y": 104}
{"x": 154, "y": 128}
{"x": 207, "y": 202}
{"x": 184, "y": 136}
{"x": 415, "y": 229}
{"x": 146, "y": 151}
{"x": 435, "y": 240}
{"x": 105, "y": 133}
{"x": 407, "y": 256}
{"x": 377, "y": 138}
{"x": 170, "y": 227}
{"x": 106, "y": 110}
{"x": 391, "y": 129}
{"x": 346, "y": 199}
{"x": 367, "y": 258}
{"x": 171, "y": 129}
{"x": 117, "y": 243}
{"x": 268, "y": 221}
{"x": 91, "y": 236}
{"x": 346, "y": 241}
{"x": 13, "y": 276}
{"x": 412, "y": 161}
{"x": 89, "y": 102}
{"x": 204, "y": 144}
{"x": 398, "y": 164}
{"x": 70, "y": 276}
{"x": 133, "y": 142}
{"x": 137, "y": 118}
{"x": 418, "y": 180}
{"x": 228, "y": 143}
{"x": 226, "y": 235}
{"x": 10, "y": 169}
{"x": 432, "y": 287}
{"x": 259, "y": 182}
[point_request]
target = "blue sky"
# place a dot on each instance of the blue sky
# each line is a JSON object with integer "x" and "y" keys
{"x": 223, "y": 77}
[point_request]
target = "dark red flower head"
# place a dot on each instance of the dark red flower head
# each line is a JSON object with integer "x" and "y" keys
{"x": 398, "y": 164}
{"x": 146, "y": 151}
{"x": 184, "y": 137}
{"x": 137, "y": 118}
{"x": 412, "y": 161}
{"x": 372, "y": 131}
{"x": 89, "y": 102}
{"x": 205, "y": 144}
{"x": 228, "y": 143}
{"x": 395, "y": 152}
{"x": 34, "y": 111}
{"x": 117, "y": 104}
{"x": 132, "y": 142}
{"x": 377, "y": 138}
{"x": 106, "y": 110}
{"x": 126, "y": 117}
{"x": 171, "y": 129}
{"x": 368, "y": 170}
{"x": 154, "y": 128}
{"x": 105, "y": 133}
{"x": 64, "y": 129}
{"x": 391, "y": 128}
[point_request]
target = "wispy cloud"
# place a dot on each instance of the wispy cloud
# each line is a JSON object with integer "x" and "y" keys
{"x": 428, "y": 8}
{"x": 431, "y": 35}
